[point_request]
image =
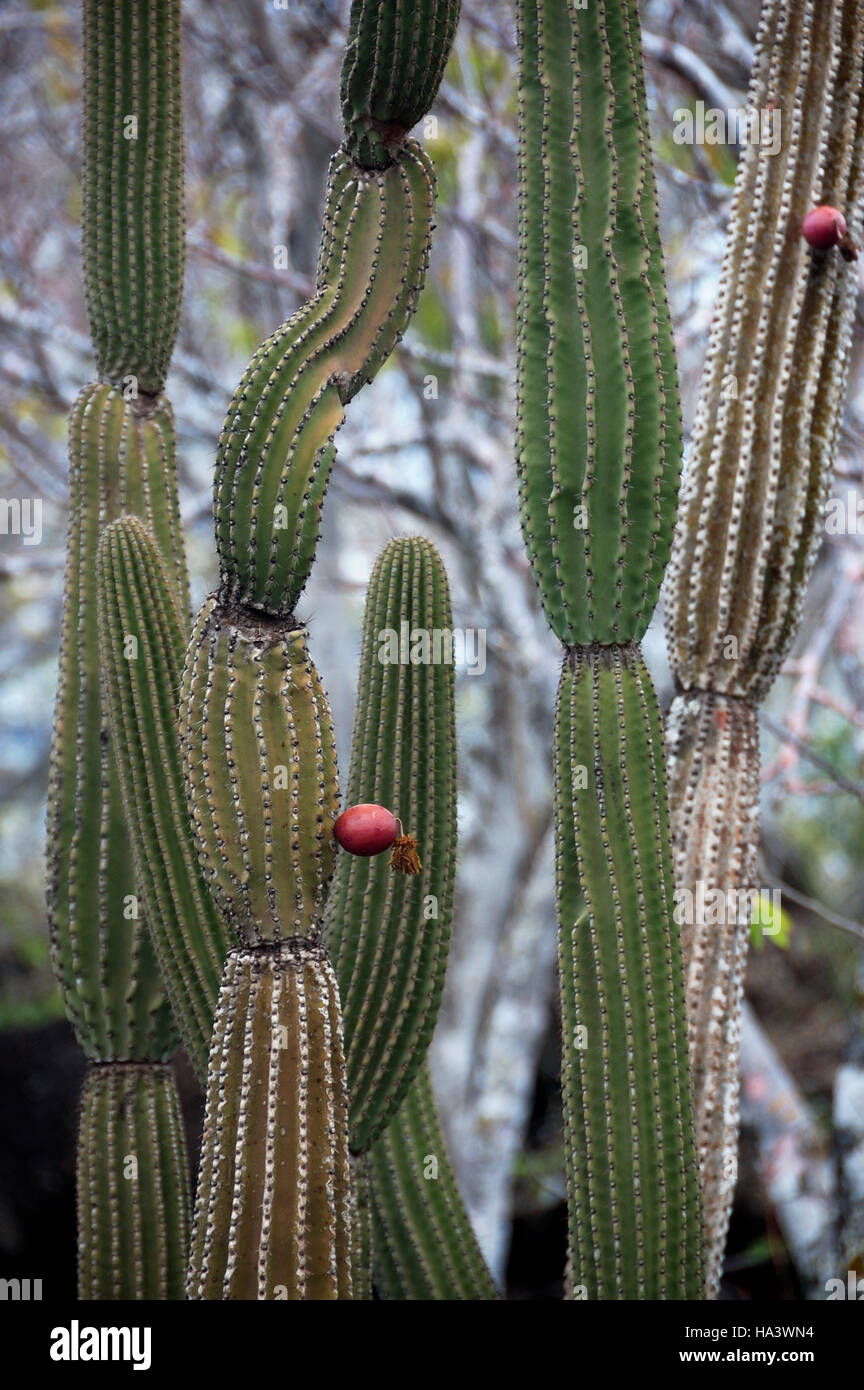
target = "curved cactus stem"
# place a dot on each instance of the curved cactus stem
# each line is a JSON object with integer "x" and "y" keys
{"x": 393, "y": 66}
{"x": 389, "y": 933}
{"x": 141, "y": 650}
{"x": 273, "y": 1210}
{"x": 632, "y": 1168}
{"x": 424, "y": 1247}
{"x": 133, "y": 1185}
{"x": 133, "y": 214}
{"x": 275, "y": 451}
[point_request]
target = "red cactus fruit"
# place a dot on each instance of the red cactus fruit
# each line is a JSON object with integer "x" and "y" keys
{"x": 824, "y": 227}
{"x": 366, "y": 829}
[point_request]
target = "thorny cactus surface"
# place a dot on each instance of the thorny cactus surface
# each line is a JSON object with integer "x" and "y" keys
{"x": 389, "y": 936}
{"x": 133, "y": 1201}
{"x": 258, "y": 752}
{"x": 598, "y": 455}
{"x": 750, "y": 524}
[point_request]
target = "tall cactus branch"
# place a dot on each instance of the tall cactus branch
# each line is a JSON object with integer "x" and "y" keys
{"x": 133, "y": 1202}
{"x": 598, "y": 456}
{"x": 258, "y": 753}
{"x": 750, "y": 526}
{"x": 389, "y": 936}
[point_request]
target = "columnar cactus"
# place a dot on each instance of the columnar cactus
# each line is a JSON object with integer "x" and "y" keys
{"x": 133, "y": 1203}
{"x": 598, "y": 455}
{"x": 258, "y": 752}
{"x": 389, "y": 934}
{"x": 750, "y": 523}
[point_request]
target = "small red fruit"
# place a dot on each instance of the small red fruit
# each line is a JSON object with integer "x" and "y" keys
{"x": 824, "y": 227}
{"x": 366, "y": 829}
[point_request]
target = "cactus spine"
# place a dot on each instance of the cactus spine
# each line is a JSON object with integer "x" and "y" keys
{"x": 598, "y": 455}
{"x": 749, "y": 528}
{"x": 258, "y": 756}
{"x": 121, "y": 460}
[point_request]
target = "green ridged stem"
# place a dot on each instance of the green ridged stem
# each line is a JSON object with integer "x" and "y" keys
{"x": 120, "y": 461}
{"x": 133, "y": 1185}
{"x": 276, "y": 448}
{"x": 393, "y": 65}
{"x": 361, "y": 1228}
{"x": 389, "y": 933}
{"x": 133, "y": 215}
{"x": 141, "y": 647}
{"x": 259, "y": 765}
{"x": 424, "y": 1246}
{"x": 598, "y": 414}
{"x": 632, "y": 1168}
{"x": 273, "y": 1209}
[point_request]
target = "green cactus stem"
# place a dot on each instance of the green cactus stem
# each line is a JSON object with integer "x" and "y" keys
{"x": 424, "y": 1247}
{"x": 393, "y": 66}
{"x": 750, "y": 526}
{"x": 272, "y": 1215}
{"x": 260, "y": 768}
{"x": 120, "y": 460}
{"x": 389, "y": 933}
{"x": 628, "y": 1141}
{"x": 598, "y": 457}
{"x": 361, "y": 1228}
{"x": 141, "y": 649}
{"x": 133, "y": 1185}
{"x": 275, "y": 452}
{"x": 133, "y": 216}
{"x": 598, "y": 434}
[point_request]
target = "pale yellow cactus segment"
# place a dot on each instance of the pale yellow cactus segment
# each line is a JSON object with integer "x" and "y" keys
{"x": 712, "y": 744}
{"x": 759, "y": 468}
